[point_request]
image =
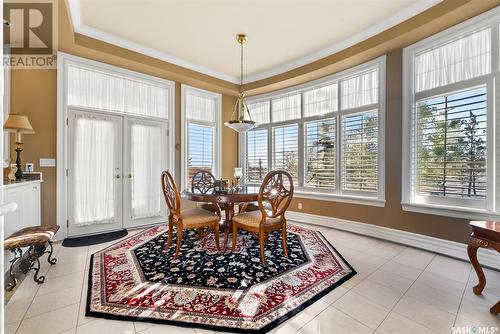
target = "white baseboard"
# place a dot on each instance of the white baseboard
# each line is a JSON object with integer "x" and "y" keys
{"x": 487, "y": 257}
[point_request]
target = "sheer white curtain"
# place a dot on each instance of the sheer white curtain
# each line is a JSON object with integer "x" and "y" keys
{"x": 461, "y": 59}
{"x": 200, "y": 106}
{"x": 146, "y": 168}
{"x": 320, "y": 101}
{"x": 259, "y": 111}
{"x": 108, "y": 91}
{"x": 286, "y": 108}
{"x": 94, "y": 163}
{"x": 360, "y": 90}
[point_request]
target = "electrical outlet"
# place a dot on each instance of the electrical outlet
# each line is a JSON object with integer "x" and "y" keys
{"x": 47, "y": 162}
{"x": 299, "y": 206}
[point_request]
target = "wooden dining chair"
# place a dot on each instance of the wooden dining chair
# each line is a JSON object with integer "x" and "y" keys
{"x": 203, "y": 181}
{"x": 185, "y": 219}
{"x": 274, "y": 197}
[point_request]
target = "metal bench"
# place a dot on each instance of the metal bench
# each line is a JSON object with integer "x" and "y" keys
{"x": 36, "y": 239}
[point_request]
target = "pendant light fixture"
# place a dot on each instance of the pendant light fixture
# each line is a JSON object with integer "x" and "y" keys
{"x": 238, "y": 122}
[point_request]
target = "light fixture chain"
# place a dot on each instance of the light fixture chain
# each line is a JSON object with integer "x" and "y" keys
{"x": 241, "y": 66}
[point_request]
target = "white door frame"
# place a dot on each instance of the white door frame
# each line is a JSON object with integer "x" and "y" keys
{"x": 63, "y": 59}
{"x": 128, "y": 220}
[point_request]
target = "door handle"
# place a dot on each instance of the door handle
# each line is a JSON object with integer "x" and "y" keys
{"x": 129, "y": 175}
{"x": 117, "y": 176}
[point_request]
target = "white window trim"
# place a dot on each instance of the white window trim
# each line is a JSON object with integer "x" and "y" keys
{"x": 378, "y": 199}
{"x": 63, "y": 59}
{"x": 489, "y": 19}
{"x": 218, "y": 133}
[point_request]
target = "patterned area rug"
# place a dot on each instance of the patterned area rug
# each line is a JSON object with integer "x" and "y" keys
{"x": 136, "y": 279}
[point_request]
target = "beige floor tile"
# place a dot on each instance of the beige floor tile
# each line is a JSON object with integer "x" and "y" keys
{"x": 52, "y": 301}
{"x": 401, "y": 270}
{"x": 414, "y": 257}
{"x": 425, "y": 293}
{"x": 309, "y": 313}
{"x": 390, "y": 280}
{"x": 478, "y": 311}
{"x": 55, "y": 284}
{"x": 56, "y": 321}
{"x": 425, "y": 314}
{"x": 65, "y": 268}
{"x": 441, "y": 283}
{"x": 334, "y": 321}
{"x": 140, "y": 325}
{"x": 11, "y": 328}
{"x": 378, "y": 293}
{"x": 362, "y": 309}
{"x": 15, "y": 310}
{"x": 465, "y": 325}
{"x": 449, "y": 268}
{"x": 69, "y": 331}
{"x": 335, "y": 294}
{"x": 397, "y": 324}
{"x": 162, "y": 329}
{"x": 106, "y": 326}
{"x": 386, "y": 250}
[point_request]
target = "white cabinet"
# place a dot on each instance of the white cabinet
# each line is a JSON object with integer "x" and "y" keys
{"x": 27, "y": 197}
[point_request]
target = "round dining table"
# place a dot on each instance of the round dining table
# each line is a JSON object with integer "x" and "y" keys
{"x": 226, "y": 201}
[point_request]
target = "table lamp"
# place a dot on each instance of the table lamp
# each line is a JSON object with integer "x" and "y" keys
{"x": 19, "y": 124}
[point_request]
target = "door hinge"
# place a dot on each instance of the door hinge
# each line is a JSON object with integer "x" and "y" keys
{"x": 67, "y": 223}
{"x": 67, "y": 121}
{"x": 67, "y": 172}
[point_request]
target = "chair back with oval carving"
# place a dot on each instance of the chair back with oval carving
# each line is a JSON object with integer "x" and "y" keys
{"x": 171, "y": 194}
{"x": 202, "y": 182}
{"x": 275, "y": 193}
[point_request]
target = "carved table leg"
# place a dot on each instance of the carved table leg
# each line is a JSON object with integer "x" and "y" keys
{"x": 229, "y": 211}
{"x": 495, "y": 309}
{"x": 472, "y": 251}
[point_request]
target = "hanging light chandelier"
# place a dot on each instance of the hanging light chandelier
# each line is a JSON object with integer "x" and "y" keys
{"x": 238, "y": 122}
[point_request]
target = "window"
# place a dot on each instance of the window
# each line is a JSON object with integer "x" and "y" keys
{"x": 449, "y": 110}
{"x": 326, "y": 133}
{"x": 201, "y": 136}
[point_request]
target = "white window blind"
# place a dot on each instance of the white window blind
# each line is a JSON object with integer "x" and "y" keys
{"x": 325, "y": 133}
{"x": 450, "y": 147}
{"x": 360, "y": 152}
{"x": 320, "y": 154}
{"x": 360, "y": 89}
{"x": 256, "y": 155}
{"x": 459, "y": 59}
{"x": 91, "y": 88}
{"x": 201, "y": 118}
{"x": 320, "y": 101}
{"x": 286, "y": 108}
{"x": 286, "y": 149}
{"x": 450, "y": 112}
{"x": 259, "y": 111}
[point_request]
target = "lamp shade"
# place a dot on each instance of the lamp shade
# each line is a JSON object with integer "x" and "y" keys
{"x": 18, "y": 123}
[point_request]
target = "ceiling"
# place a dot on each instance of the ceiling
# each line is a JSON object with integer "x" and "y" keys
{"x": 200, "y": 35}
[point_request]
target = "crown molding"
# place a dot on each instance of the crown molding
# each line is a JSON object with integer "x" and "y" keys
{"x": 80, "y": 28}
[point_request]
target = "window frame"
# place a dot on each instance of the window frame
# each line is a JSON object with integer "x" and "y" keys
{"x": 337, "y": 194}
{"x": 186, "y": 89}
{"x": 456, "y": 207}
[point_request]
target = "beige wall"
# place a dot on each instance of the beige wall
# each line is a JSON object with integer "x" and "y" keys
{"x": 34, "y": 93}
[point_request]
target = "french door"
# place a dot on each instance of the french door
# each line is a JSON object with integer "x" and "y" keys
{"x": 114, "y": 171}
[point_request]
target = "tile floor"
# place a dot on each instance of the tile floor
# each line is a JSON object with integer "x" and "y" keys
{"x": 398, "y": 289}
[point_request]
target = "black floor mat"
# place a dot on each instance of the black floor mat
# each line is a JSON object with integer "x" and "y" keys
{"x": 94, "y": 239}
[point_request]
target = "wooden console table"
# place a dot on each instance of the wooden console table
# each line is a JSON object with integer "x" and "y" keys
{"x": 485, "y": 234}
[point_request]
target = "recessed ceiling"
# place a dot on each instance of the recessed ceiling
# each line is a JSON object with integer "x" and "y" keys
{"x": 200, "y": 35}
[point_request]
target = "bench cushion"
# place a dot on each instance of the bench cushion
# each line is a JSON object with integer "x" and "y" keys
{"x": 31, "y": 236}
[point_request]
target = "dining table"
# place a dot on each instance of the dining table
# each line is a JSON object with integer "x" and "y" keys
{"x": 226, "y": 200}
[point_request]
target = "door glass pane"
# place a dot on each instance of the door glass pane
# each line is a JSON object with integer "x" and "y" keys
{"x": 94, "y": 164}
{"x": 146, "y": 169}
